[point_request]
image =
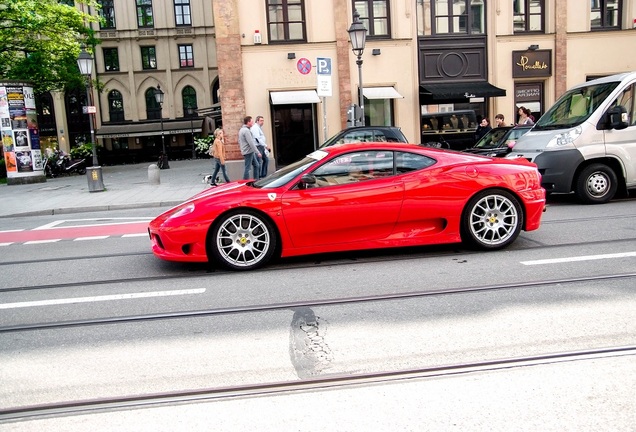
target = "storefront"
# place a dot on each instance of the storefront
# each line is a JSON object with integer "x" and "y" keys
{"x": 143, "y": 141}
{"x": 530, "y": 68}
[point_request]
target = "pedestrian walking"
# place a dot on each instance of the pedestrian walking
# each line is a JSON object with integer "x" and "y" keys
{"x": 499, "y": 120}
{"x": 217, "y": 151}
{"x": 261, "y": 144}
{"x": 248, "y": 149}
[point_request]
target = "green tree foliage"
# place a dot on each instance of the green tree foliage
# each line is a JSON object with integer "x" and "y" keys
{"x": 40, "y": 41}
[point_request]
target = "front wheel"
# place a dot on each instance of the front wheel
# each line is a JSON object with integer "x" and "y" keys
{"x": 242, "y": 240}
{"x": 596, "y": 184}
{"x": 492, "y": 220}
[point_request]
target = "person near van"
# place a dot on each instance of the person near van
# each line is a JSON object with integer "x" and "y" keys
{"x": 217, "y": 151}
{"x": 525, "y": 117}
{"x": 261, "y": 144}
{"x": 248, "y": 149}
{"x": 482, "y": 129}
{"x": 500, "y": 120}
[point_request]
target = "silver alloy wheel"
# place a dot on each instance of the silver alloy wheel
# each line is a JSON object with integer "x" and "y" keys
{"x": 243, "y": 240}
{"x": 598, "y": 184}
{"x": 494, "y": 219}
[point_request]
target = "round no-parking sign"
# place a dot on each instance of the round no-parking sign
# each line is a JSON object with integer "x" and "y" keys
{"x": 304, "y": 66}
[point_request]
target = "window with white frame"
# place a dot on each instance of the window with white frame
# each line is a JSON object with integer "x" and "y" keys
{"x": 182, "y": 14}
{"x": 605, "y": 14}
{"x": 375, "y": 16}
{"x": 186, "y": 56}
{"x": 458, "y": 17}
{"x": 528, "y": 15}
{"x": 286, "y": 20}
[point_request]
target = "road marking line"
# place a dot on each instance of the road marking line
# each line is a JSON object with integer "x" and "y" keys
{"x": 90, "y": 238}
{"x": 136, "y": 235}
{"x": 99, "y": 222}
{"x": 6, "y": 244}
{"x": 101, "y": 298}
{"x": 579, "y": 258}
{"x": 32, "y": 242}
{"x": 8, "y": 231}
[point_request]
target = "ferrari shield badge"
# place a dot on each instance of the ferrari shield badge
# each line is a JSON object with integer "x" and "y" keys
{"x": 271, "y": 196}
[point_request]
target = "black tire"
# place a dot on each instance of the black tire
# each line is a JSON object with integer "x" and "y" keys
{"x": 492, "y": 220}
{"x": 81, "y": 171}
{"x": 242, "y": 240}
{"x": 596, "y": 184}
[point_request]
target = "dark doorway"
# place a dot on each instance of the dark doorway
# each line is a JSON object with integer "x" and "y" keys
{"x": 294, "y": 132}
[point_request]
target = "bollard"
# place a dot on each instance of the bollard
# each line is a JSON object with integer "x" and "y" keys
{"x": 153, "y": 174}
{"x": 95, "y": 179}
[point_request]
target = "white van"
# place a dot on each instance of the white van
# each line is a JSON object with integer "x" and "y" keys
{"x": 586, "y": 143}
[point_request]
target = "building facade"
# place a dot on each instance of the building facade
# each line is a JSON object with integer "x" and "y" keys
{"x": 465, "y": 59}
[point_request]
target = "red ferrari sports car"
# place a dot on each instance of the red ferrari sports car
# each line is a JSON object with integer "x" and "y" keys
{"x": 355, "y": 196}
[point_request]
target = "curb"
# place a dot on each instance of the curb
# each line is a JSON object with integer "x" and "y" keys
{"x": 71, "y": 210}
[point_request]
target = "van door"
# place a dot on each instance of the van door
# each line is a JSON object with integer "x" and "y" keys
{"x": 622, "y": 143}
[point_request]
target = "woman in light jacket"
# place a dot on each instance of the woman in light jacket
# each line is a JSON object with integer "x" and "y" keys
{"x": 217, "y": 151}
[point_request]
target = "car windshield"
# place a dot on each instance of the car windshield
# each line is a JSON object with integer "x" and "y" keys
{"x": 289, "y": 172}
{"x": 575, "y": 106}
{"x": 492, "y": 139}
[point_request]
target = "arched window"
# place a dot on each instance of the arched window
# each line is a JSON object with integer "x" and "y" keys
{"x": 216, "y": 92}
{"x": 115, "y": 106}
{"x": 153, "y": 109}
{"x": 189, "y": 96}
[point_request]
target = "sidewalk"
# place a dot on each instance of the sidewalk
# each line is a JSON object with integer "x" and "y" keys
{"x": 126, "y": 186}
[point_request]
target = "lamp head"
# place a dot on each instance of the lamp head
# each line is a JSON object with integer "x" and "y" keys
{"x": 357, "y": 34}
{"x": 159, "y": 95}
{"x": 85, "y": 62}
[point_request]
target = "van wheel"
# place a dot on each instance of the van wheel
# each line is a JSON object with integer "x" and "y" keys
{"x": 596, "y": 184}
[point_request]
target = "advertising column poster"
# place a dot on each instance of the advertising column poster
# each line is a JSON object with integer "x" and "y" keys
{"x": 20, "y": 138}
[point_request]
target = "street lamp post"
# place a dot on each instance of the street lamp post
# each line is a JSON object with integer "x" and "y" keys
{"x": 358, "y": 37}
{"x": 164, "y": 156}
{"x": 94, "y": 173}
{"x": 191, "y": 111}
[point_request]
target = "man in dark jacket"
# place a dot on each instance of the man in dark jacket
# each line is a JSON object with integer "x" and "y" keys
{"x": 482, "y": 129}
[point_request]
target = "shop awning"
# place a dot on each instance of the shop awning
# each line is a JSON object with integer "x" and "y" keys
{"x": 381, "y": 93}
{"x": 294, "y": 97}
{"x": 147, "y": 129}
{"x": 213, "y": 111}
{"x": 465, "y": 90}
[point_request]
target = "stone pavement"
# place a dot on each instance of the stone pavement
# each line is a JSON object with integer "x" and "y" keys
{"x": 126, "y": 186}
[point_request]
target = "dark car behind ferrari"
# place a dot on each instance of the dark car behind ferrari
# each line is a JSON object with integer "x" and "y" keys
{"x": 359, "y": 134}
{"x": 498, "y": 141}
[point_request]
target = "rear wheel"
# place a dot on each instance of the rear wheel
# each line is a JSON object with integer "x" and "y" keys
{"x": 242, "y": 240}
{"x": 492, "y": 220}
{"x": 596, "y": 184}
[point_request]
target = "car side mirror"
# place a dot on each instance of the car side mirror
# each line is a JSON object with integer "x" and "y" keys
{"x": 617, "y": 117}
{"x": 307, "y": 180}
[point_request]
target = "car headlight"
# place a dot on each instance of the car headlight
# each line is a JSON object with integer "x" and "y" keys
{"x": 565, "y": 138}
{"x": 185, "y": 210}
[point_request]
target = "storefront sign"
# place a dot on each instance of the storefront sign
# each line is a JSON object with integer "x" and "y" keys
{"x": 531, "y": 64}
{"x": 527, "y": 92}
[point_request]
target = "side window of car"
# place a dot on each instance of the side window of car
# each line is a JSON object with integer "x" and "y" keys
{"x": 406, "y": 162}
{"x": 355, "y": 167}
{"x": 357, "y": 137}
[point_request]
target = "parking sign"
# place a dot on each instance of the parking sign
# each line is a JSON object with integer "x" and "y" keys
{"x": 323, "y": 66}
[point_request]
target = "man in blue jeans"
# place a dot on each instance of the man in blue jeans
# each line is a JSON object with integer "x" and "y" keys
{"x": 261, "y": 144}
{"x": 248, "y": 149}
